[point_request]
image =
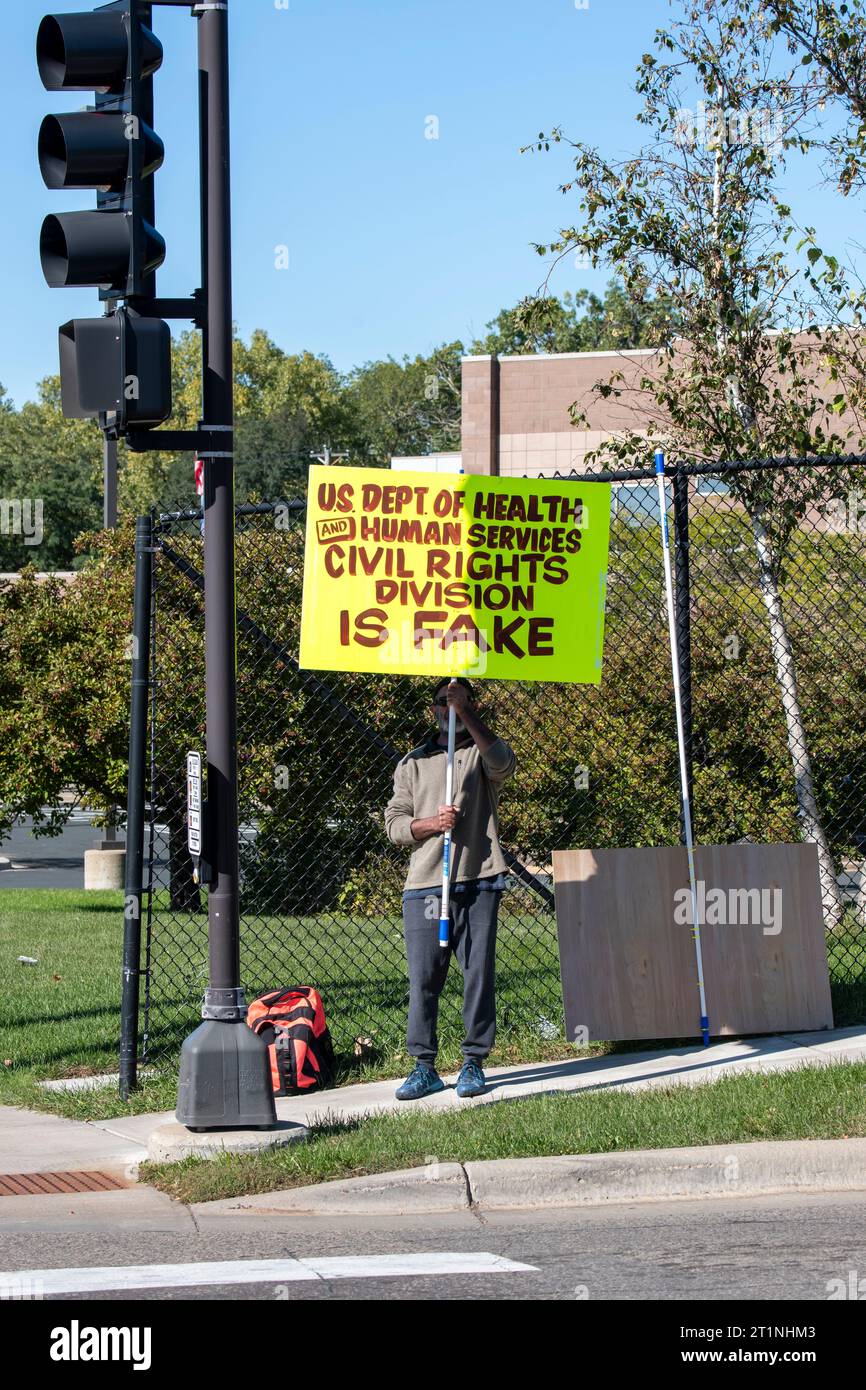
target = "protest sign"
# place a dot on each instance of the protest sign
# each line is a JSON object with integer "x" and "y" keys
{"x": 472, "y": 575}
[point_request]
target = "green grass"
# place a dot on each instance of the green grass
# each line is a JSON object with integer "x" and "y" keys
{"x": 60, "y": 1018}
{"x": 358, "y": 965}
{"x": 809, "y": 1103}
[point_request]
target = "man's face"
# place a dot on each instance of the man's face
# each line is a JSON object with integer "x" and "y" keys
{"x": 440, "y": 711}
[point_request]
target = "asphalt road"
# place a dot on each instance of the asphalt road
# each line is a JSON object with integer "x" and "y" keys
{"x": 58, "y": 861}
{"x": 43, "y": 862}
{"x": 752, "y": 1249}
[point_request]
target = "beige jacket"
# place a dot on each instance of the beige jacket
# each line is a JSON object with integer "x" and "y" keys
{"x": 419, "y": 791}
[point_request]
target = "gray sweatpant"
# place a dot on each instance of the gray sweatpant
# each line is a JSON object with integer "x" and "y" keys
{"x": 473, "y": 941}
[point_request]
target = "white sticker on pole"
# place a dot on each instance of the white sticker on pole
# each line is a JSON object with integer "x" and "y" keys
{"x": 193, "y": 803}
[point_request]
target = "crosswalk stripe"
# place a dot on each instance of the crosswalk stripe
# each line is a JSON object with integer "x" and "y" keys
{"x": 374, "y": 1266}
{"x": 111, "y": 1278}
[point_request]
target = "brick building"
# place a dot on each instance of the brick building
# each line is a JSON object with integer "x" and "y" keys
{"x": 516, "y": 411}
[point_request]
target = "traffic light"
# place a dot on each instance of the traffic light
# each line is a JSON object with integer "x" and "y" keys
{"x": 120, "y": 364}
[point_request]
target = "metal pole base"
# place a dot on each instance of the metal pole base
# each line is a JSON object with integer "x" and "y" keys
{"x": 225, "y": 1079}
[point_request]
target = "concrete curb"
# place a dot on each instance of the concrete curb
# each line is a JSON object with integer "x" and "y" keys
{"x": 438, "y": 1187}
{"x": 734, "y": 1170}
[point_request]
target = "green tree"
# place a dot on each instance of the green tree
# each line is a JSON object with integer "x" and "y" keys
{"x": 288, "y": 406}
{"x": 408, "y": 407}
{"x": 64, "y": 685}
{"x": 580, "y": 322}
{"x": 52, "y": 464}
{"x": 829, "y": 40}
{"x": 285, "y": 406}
{"x": 695, "y": 217}
{"x": 829, "y": 44}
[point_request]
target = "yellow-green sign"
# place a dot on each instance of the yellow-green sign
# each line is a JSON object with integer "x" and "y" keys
{"x": 422, "y": 575}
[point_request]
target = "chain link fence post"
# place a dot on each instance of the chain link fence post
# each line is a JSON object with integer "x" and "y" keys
{"x": 138, "y": 723}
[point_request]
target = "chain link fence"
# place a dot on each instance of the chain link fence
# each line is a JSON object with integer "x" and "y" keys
{"x": 771, "y": 611}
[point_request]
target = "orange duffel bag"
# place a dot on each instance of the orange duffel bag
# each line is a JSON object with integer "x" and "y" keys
{"x": 292, "y": 1023}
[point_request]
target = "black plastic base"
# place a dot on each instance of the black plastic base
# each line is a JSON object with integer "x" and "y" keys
{"x": 225, "y": 1079}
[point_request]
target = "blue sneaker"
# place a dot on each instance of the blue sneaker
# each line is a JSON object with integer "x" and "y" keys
{"x": 421, "y": 1081}
{"x": 471, "y": 1081}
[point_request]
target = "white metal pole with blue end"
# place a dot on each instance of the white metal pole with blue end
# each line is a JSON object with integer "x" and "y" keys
{"x": 681, "y": 737}
{"x": 445, "y": 909}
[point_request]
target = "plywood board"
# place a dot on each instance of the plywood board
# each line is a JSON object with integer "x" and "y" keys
{"x": 627, "y": 951}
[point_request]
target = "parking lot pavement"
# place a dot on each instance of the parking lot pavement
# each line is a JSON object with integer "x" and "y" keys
{"x": 55, "y": 861}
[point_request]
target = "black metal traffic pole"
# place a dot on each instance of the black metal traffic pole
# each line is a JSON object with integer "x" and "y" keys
{"x": 219, "y": 539}
{"x": 109, "y": 839}
{"x": 135, "y": 805}
{"x": 224, "y": 1071}
{"x": 683, "y": 611}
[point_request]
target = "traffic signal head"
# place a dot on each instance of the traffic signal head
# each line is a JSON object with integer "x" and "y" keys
{"x": 95, "y": 248}
{"x": 119, "y": 365}
{"x": 111, "y": 148}
{"x": 80, "y": 52}
{"x": 117, "y": 368}
{"x": 90, "y": 149}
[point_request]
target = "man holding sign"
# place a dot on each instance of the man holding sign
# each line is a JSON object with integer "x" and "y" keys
{"x": 411, "y": 574}
{"x": 417, "y": 818}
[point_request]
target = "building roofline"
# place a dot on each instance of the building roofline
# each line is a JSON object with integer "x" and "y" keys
{"x": 564, "y": 356}
{"x": 805, "y": 330}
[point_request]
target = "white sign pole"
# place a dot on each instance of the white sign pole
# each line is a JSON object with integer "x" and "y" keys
{"x": 681, "y": 738}
{"x": 444, "y": 912}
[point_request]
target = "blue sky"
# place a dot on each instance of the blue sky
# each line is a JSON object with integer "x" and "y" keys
{"x": 395, "y": 242}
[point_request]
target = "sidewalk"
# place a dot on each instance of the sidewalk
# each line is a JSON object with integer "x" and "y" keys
{"x": 32, "y": 1142}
